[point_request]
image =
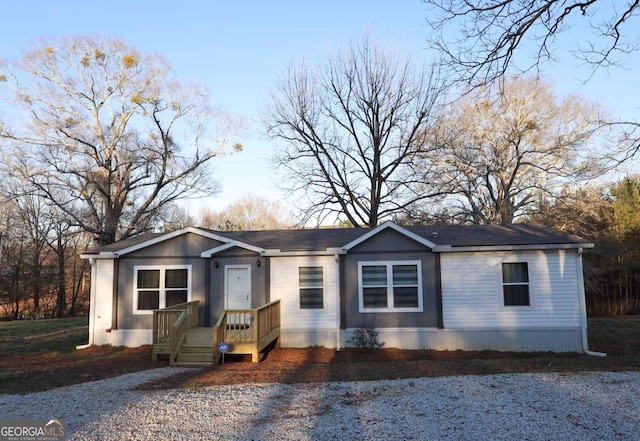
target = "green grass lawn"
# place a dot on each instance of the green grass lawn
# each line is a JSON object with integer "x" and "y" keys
{"x": 617, "y": 335}
{"x": 38, "y": 336}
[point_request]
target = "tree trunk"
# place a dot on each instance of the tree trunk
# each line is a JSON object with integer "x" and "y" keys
{"x": 61, "y": 300}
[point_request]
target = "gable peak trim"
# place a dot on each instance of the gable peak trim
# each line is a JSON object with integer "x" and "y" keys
{"x": 231, "y": 244}
{"x": 167, "y": 236}
{"x": 374, "y": 231}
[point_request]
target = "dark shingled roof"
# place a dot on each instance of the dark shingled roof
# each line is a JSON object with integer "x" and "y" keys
{"x": 488, "y": 235}
{"x": 299, "y": 240}
{"x": 454, "y": 235}
{"x": 125, "y": 243}
{"x": 321, "y": 239}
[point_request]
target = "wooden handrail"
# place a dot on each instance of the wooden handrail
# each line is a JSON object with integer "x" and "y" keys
{"x": 251, "y": 326}
{"x": 170, "y": 326}
{"x": 177, "y": 334}
{"x": 218, "y": 336}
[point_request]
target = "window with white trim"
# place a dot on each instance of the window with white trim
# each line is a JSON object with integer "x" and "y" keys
{"x": 157, "y": 287}
{"x": 515, "y": 284}
{"x": 394, "y": 286}
{"x": 311, "y": 283}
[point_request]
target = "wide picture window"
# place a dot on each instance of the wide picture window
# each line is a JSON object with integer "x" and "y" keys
{"x": 160, "y": 287}
{"x": 390, "y": 286}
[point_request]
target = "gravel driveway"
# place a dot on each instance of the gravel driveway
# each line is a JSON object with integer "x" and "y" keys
{"x": 590, "y": 406}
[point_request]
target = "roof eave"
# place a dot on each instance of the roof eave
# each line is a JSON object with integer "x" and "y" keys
{"x": 293, "y": 253}
{"x": 103, "y": 255}
{"x": 536, "y": 247}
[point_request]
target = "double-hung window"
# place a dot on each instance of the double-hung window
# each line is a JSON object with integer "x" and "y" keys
{"x": 515, "y": 284}
{"x": 311, "y": 283}
{"x": 157, "y": 287}
{"x": 394, "y": 286}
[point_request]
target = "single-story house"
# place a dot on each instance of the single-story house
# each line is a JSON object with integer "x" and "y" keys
{"x": 468, "y": 287}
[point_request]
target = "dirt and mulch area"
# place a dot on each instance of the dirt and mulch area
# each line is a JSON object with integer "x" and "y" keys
{"x": 24, "y": 373}
{"x": 311, "y": 365}
{"x": 619, "y": 337}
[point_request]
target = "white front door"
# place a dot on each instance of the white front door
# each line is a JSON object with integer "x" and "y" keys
{"x": 237, "y": 287}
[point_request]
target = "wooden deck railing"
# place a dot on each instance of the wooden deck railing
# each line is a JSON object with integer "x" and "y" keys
{"x": 247, "y": 330}
{"x": 170, "y": 327}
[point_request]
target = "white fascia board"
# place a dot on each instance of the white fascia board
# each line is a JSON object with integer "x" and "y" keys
{"x": 99, "y": 256}
{"x": 393, "y": 226}
{"x": 209, "y": 253}
{"x": 327, "y": 252}
{"x": 541, "y": 247}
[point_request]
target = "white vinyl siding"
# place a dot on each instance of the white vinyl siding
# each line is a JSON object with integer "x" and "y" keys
{"x": 102, "y": 309}
{"x": 285, "y": 285}
{"x": 157, "y": 287}
{"x": 390, "y": 286}
{"x": 472, "y": 290}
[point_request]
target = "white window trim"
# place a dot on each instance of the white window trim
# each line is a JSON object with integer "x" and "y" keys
{"x": 502, "y": 284}
{"x": 309, "y": 287}
{"x": 162, "y": 289}
{"x": 389, "y": 264}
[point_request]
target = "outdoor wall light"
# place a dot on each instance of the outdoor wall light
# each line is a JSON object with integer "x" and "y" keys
{"x": 216, "y": 264}
{"x": 258, "y": 263}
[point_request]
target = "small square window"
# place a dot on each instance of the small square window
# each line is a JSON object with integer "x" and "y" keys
{"x": 148, "y": 278}
{"x": 176, "y": 278}
{"x": 148, "y": 299}
{"x": 175, "y": 297}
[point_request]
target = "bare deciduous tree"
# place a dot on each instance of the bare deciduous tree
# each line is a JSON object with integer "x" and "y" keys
{"x": 608, "y": 215}
{"x": 351, "y": 128}
{"x": 249, "y": 213}
{"x": 107, "y": 134}
{"x": 481, "y": 38}
{"x": 500, "y": 150}
{"x": 13, "y": 287}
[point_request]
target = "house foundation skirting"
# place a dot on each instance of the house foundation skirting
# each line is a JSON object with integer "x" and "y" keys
{"x": 123, "y": 337}
{"x": 518, "y": 340}
{"x": 304, "y": 338}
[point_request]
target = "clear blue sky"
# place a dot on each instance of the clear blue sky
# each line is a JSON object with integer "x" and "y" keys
{"x": 238, "y": 48}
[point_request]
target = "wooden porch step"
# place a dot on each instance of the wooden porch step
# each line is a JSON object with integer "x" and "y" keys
{"x": 199, "y": 337}
{"x": 197, "y": 349}
{"x": 192, "y": 364}
{"x": 195, "y": 354}
{"x": 247, "y": 332}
